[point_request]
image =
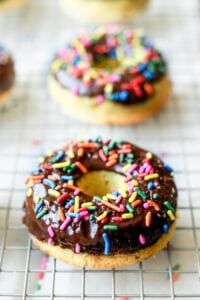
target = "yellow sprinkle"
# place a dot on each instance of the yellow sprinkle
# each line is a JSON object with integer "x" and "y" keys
{"x": 104, "y": 198}
{"x": 112, "y": 197}
{"x": 132, "y": 197}
{"x": 151, "y": 176}
{"x": 135, "y": 182}
{"x": 49, "y": 153}
{"x": 86, "y": 204}
{"x": 76, "y": 204}
{"x": 149, "y": 155}
{"x": 109, "y": 88}
{"x": 30, "y": 183}
{"x": 61, "y": 165}
{"x": 123, "y": 193}
{"x": 71, "y": 153}
{"x": 71, "y": 182}
{"x": 177, "y": 214}
{"x": 29, "y": 192}
{"x": 102, "y": 216}
{"x": 127, "y": 216}
{"x": 36, "y": 199}
{"x": 41, "y": 160}
{"x": 126, "y": 167}
{"x": 171, "y": 215}
{"x": 172, "y": 174}
{"x": 53, "y": 193}
{"x": 56, "y": 65}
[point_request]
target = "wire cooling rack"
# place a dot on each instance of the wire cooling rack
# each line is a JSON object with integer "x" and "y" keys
{"x": 31, "y": 124}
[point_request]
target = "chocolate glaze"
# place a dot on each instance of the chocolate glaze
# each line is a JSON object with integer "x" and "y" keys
{"x": 88, "y": 233}
{"x": 7, "y": 75}
{"x": 150, "y": 69}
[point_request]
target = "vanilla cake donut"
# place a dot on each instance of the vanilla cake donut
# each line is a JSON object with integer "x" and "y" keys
{"x": 113, "y": 76}
{"x": 100, "y": 203}
{"x": 7, "y": 75}
{"x": 103, "y": 11}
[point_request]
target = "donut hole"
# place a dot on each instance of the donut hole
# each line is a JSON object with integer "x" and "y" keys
{"x": 100, "y": 183}
{"x": 106, "y": 63}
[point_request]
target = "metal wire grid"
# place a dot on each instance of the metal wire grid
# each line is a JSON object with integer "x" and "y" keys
{"x": 27, "y": 130}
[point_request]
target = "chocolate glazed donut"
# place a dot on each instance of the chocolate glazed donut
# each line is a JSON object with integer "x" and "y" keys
{"x": 103, "y": 199}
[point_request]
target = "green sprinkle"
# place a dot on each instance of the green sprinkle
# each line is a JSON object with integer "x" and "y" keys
{"x": 141, "y": 194}
{"x": 176, "y": 267}
{"x": 121, "y": 158}
{"x": 92, "y": 217}
{"x": 105, "y": 149}
{"x": 130, "y": 161}
{"x": 155, "y": 196}
{"x": 168, "y": 205}
{"x": 110, "y": 227}
{"x": 129, "y": 208}
{"x": 92, "y": 208}
{"x": 97, "y": 198}
{"x": 130, "y": 155}
{"x": 37, "y": 286}
{"x": 111, "y": 145}
{"x": 100, "y": 57}
{"x": 41, "y": 214}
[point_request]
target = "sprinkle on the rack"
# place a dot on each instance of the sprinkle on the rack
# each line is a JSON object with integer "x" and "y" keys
{"x": 107, "y": 243}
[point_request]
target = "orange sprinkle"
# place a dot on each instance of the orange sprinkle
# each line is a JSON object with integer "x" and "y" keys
{"x": 81, "y": 167}
{"x": 154, "y": 204}
{"x": 148, "y": 88}
{"x": 113, "y": 156}
{"x": 112, "y": 206}
{"x": 58, "y": 187}
{"x": 111, "y": 152}
{"x": 126, "y": 146}
{"x": 175, "y": 276}
{"x": 34, "y": 177}
{"x": 71, "y": 209}
{"x": 148, "y": 218}
{"x": 61, "y": 214}
{"x": 111, "y": 163}
{"x": 136, "y": 203}
{"x": 87, "y": 145}
{"x": 81, "y": 152}
{"x": 51, "y": 177}
{"x": 71, "y": 187}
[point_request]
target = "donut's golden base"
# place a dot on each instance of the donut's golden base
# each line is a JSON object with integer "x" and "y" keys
{"x": 102, "y": 261}
{"x": 85, "y": 109}
{"x": 103, "y": 11}
{"x": 11, "y": 4}
{"x": 5, "y": 96}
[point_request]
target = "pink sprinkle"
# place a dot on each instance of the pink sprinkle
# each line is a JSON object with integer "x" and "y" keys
{"x": 100, "y": 99}
{"x": 76, "y": 220}
{"x": 63, "y": 53}
{"x": 102, "y": 155}
{"x": 75, "y": 90}
{"x": 118, "y": 200}
{"x": 84, "y": 213}
{"x": 51, "y": 231}
{"x": 132, "y": 168}
{"x": 117, "y": 219}
{"x": 146, "y": 205}
{"x": 148, "y": 169}
{"x": 142, "y": 239}
{"x": 78, "y": 248}
{"x": 43, "y": 266}
{"x": 86, "y": 218}
{"x": 50, "y": 241}
{"x": 106, "y": 141}
{"x": 127, "y": 179}
{"x": 124, "y": 151}
{"x": 114, "y": 78}
{"x": 65, "y": 223}
{"x": 45, "y": 259}
{"x": 122, "y": 207}
{"x": 77, "y": 192}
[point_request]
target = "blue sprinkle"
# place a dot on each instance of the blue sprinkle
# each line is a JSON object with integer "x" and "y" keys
{"x": 150, "y": 185}
{"x": 124, "y": 95}
{"x": 115, "y": 193}
{"x": 36, "y": 171}
{"x": 75, "y": 60}
{"x": 38, "y": 206}
{"x": 116, "y": 96}
{"x": 107, "y": 244}
{"x": 149, "y": 75}
{"x": 66, "y": 178}
{"x": 70, "y": 203}
{"x": 168, "y": 168}
{"x": 112, "y": 53}
{"x": 73, "y": 215}
{"x": 142, "y": 67}
{"x": 49, "y": 182}
{"x": 165, "y": 228}
{"x": 58, "y": 157}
